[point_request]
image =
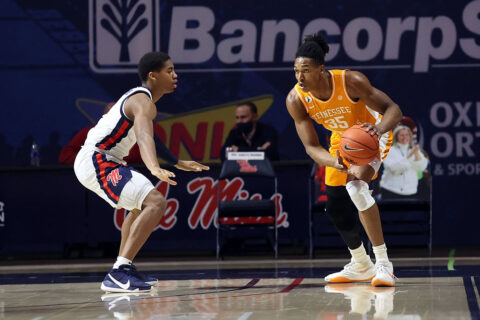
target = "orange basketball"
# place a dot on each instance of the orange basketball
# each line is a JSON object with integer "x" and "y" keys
{"x": 357, "y": 146}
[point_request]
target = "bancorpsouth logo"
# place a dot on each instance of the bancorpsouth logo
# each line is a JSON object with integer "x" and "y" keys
{"x": 203, "y": 36}
{"x": 121, "y": 32}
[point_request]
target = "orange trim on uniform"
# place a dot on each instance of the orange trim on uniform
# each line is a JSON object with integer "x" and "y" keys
{"x": 301, "y": 97}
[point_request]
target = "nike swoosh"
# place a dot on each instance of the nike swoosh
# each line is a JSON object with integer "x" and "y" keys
{"x": 351, "y": 149}
{"x": 118, "y": 283}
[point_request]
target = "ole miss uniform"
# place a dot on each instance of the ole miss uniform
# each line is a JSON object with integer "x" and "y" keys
{"x": 99, "y": 165}
{"x": 337, "y": 114}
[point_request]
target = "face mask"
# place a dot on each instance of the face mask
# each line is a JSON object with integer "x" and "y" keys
{"x": 245, "y": 127}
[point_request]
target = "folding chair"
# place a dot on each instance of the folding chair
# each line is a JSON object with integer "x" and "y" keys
{"x": 236, "y": 214}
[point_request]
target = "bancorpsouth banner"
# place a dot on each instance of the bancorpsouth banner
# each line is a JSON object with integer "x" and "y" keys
{"x": 62, "y": 62}
{"x": 237, "y": 38}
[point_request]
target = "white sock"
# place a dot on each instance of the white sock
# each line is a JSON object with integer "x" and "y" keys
{"x": 360, "y": 255}
{"x": 380, "y": 253}
{"x": 121, "y": 260}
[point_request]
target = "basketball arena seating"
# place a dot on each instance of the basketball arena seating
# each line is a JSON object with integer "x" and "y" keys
{"x": 405, "y": 222}
{"x": 245, "y": 216}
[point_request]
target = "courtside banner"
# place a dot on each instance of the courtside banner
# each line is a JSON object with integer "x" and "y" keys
{"x": 62, "y": 62}
{"x": 189, "y": 222}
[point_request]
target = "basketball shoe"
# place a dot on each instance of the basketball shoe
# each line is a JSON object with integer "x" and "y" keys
{"x": 353, "y": 272}
{"x": 383, "y": 275}
{"x": 145, "y": 278}
{"x": 123, "y": 279}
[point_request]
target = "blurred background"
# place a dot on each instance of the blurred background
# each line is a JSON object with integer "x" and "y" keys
{"x": 63, "y": 61}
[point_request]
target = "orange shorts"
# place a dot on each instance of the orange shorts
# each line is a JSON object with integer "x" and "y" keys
{"x": 335, "y": 178}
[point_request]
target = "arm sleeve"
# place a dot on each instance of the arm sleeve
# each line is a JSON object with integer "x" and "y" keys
{"x": 70, "y": 151}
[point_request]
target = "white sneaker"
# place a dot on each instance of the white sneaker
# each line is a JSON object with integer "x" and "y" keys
{"x": 383, "y": 275}
{"x": 353, "y": 272}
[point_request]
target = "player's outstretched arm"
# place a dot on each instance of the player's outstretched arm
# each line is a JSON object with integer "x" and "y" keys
{"x": 142, "y": 110}
{"x": 191, "y": 166}
{"x": 359, "y": 87}
{"x": 308, "y": 135}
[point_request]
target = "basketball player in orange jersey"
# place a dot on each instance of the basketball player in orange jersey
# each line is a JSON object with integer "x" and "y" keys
{"x": 339, "y": 99}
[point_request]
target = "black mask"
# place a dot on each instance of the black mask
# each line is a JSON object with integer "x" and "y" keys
{"x": 245, "y": 127}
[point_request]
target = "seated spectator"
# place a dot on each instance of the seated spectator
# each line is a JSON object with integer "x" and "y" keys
{"x": 401, "y": 167}
{"x": 251, "y": 135}
{"x": 69, "y": 152}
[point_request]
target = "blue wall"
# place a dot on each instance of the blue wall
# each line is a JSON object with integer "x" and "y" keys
{"x": 59, "y": 64}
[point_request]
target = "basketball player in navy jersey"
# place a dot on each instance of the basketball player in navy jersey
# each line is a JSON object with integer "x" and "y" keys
{"x": 99, "y": 167}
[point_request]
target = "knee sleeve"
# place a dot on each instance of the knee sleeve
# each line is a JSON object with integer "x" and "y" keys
{"x": 360, "y": 194}
{"x": 343, "y": 215}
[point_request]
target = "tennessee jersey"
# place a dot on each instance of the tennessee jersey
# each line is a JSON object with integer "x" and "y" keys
{"x": 337, "y": 114}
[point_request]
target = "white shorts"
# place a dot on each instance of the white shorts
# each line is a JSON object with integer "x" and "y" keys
{"x": 121, "y": 186}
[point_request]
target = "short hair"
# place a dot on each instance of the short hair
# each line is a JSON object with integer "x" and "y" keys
{"x": 250, "y": 104}
{"x": 151, "y": 61}
{"x": 314, "y": 47}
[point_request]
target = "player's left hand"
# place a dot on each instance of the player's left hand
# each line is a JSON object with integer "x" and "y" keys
{"x": 372, "y": 129}
{"x": 190, "y": 166}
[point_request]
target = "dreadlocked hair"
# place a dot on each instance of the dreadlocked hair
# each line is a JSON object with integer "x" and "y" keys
{"x": 314, "y": 47}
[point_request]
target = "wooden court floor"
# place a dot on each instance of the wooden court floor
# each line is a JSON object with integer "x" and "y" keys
{"x": 240, "y": 290}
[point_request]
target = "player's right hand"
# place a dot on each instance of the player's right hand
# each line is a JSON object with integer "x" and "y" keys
{"x": 339, "y": 164}
{"x": 164, "y": 175}
{"x": 371, "y": 129}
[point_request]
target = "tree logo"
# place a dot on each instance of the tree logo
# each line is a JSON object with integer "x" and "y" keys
{"x": 121, "y": 31}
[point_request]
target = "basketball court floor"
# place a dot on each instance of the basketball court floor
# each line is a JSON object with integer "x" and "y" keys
{"x": 435, "y": 288}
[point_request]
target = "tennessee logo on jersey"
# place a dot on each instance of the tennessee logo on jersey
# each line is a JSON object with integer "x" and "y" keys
{"x": 114, "y": 177}
{"x": 340, "y": 111}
